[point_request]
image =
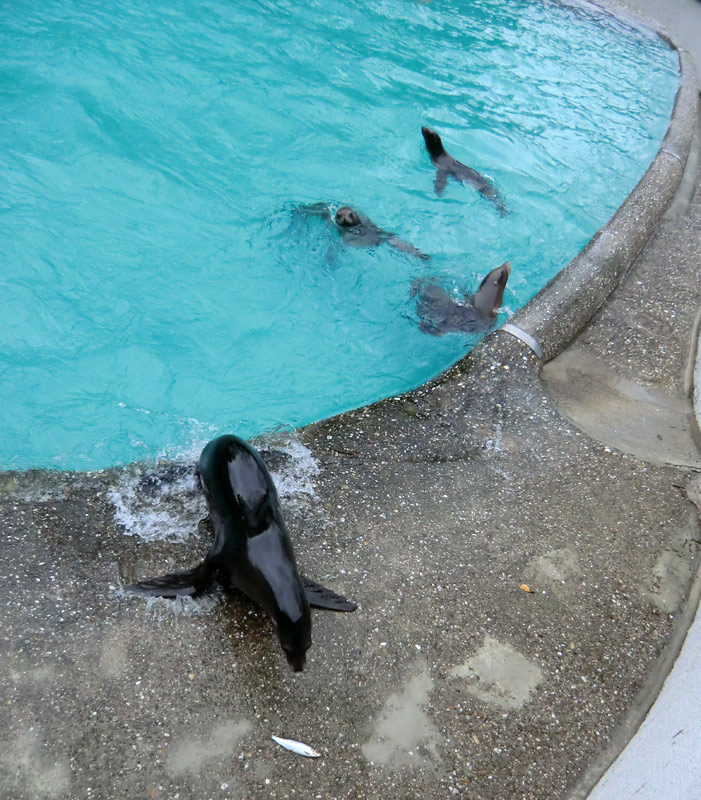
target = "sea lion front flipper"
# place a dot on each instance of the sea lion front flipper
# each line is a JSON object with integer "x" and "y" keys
{"x": 406, "y": 247}
{"x": 440, "y": 182}
{"x": 314, "y": 210}
{"x": 321, "y": 597}
{"x": 492, "y": 194}
{"x": 426, "y": 326}
{"x": 189, "y": 583}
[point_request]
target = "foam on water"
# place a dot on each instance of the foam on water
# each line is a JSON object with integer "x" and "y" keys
{"x": 295, "y": 475}
{"x": 165, "y": 502}
{"x": 157, "y": 287}
{"x": 162, "y": 608}
{"x": 148, "y": 506}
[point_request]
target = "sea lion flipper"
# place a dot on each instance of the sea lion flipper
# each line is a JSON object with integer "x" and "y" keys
{"x": 321, "y": 597}
{"x": 440, "y": 182}
{"x": 189, "y": 583}
{"x": 406, "y": 247}
{"x": 493, "y": 195}
{"x": 429, "y": 327}
{"x": 314, "y": 210}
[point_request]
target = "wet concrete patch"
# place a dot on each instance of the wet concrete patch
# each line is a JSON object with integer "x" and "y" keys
{"x": 114, "y": 653}
{"x": 403, "y": 733}
{"x": 674, "y": 567}
{"x": 621, "y": 412}
{"x": 499, "y": 674}
{"x": 191, "y": 754}
{"x": 35, "y": 762}
{"x": 554, "y": 569}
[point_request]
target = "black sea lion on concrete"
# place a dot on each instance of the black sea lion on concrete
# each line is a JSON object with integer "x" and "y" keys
{"x": 449, "y": 166}
{"x": 357, "y": 230}
{"x": 439, "y": 313}
{"x": 252, "y": 551}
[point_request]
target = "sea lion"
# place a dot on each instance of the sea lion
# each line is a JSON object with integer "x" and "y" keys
{"x": 448, "y": 166}
{"x": 357, "y": 230}
{"x": 439, "y": 313}
{"x": 252, "y": 551}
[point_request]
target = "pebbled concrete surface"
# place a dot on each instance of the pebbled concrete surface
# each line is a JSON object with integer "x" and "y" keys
{"x": 432, "y": 510}
{"x": 641, "y": 382}
{"x": 662, "y": 759}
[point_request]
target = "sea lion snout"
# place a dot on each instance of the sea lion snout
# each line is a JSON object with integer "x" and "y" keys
{"x": 294, "y": 632}
{"x": 490, "y": 295}
{"x": 434, "y": 145}
{"x": 296, "y": 654}
{"x": 296, "y": 661}
{"x": 347, "y": 217}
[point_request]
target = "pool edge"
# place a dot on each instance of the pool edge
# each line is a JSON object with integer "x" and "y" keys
{"x": 560, "y": 310}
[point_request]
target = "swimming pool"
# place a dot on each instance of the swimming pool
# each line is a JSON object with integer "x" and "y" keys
{"x": 157, "y": 286}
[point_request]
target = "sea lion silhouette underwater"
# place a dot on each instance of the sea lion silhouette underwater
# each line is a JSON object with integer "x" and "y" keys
{"x": 447, "y": 166}
{"x": 440, "y": 313}
{"x": 252, "y": 551}
{"x": 357, "y": 230}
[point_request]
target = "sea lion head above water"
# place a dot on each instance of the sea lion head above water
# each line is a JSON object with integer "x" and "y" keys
{"x": 439, "y": 312}
{"x": 434, "y": 145}
{"x": 490, "y": 295}
{"x": 346, "y": 217}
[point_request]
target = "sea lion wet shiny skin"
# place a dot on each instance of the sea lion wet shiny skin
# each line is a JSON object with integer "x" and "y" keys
{"x": 447, "y": 166}
{"x": 357, "y": 230}
{"x": 252, "y": 551}
{"x": 440, "y": 313}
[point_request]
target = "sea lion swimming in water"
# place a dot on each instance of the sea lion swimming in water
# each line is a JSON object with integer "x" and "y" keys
{"x": 357, "y": 230}
{"x": 449, "y": 166}
{"x": 252, "y": 551}
{"x": 439, "y": 313}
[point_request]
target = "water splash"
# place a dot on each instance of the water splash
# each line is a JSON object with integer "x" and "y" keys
{"x": 158, "y": 503}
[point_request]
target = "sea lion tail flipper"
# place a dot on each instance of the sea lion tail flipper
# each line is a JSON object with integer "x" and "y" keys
{"x": 321, "y": 597}
{"x": 440, "y": 182}
{"x": 189, "y": 583}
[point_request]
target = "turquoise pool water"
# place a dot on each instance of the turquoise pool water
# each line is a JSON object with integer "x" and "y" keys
{"x": 156, "y": 288}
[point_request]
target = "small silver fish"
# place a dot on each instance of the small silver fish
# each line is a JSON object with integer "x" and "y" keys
{"x": 297, "y": 747}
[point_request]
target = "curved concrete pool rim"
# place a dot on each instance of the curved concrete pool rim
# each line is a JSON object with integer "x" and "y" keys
{"x": 559, "y": 313}
{"x": 476, "y": 467}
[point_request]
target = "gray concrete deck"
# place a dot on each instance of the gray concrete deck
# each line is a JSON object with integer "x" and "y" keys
{"x": 433, "y": 510}
{"x": 662, "y": 758}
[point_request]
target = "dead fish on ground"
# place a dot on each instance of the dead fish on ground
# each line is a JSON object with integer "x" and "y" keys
{"x": 296, "y": 747}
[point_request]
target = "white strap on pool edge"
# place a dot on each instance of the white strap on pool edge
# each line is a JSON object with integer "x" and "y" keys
{"x": 525, "y": 337}
{"x": 673, "y": 154}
